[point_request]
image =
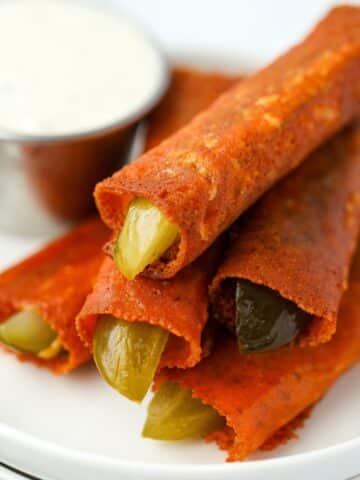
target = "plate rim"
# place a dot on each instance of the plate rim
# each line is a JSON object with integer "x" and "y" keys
{"x": 162, "y": 470}
{"x": 15, "y": 473}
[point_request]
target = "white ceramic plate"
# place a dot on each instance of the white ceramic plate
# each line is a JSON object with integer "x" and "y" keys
{"x": 75, "y": 427}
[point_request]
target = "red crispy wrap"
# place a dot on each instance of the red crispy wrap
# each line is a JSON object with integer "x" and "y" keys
{"x": 55, "y": 281}
{"x": 259, "y": 393}
{"x": 299, "y": 239}
{"x": 190, "y": 92}
{"x": 181, "y": 304}
{"x": 203, "y": 177}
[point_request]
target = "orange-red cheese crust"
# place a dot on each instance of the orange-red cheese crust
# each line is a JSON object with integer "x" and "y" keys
{"x": 55, "y": 281}
{"x": 299, "y": 239}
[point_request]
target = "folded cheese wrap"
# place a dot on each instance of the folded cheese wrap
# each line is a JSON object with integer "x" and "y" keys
{"x": 41, "y": 296}
{"x": 132, "y": 327}
{"x": 168, "y": 207}
{"x": 288, "y": 264}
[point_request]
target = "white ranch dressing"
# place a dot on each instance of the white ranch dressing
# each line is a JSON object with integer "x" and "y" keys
{"x": 67, "y": 67}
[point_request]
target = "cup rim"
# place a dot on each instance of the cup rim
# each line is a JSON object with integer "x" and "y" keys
{"x": 127, "y": 120}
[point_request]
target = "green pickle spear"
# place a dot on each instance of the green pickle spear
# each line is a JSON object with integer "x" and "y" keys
{"x": 27, "y": 332}
{"x": 263, "y": 319}
{"x": 174, "y": 414}
{"x": 143, "y": 239}
{"x": 127, "y": 354}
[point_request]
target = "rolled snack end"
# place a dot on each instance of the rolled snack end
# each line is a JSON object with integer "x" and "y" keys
{"x": 145, "y": 236}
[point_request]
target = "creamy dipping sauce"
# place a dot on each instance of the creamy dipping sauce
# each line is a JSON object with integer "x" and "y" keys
{"x": 67, "y": 67}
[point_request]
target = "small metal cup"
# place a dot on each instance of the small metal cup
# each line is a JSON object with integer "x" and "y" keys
{"x": 47, "y": 182}
{"x": 46, "y": 185}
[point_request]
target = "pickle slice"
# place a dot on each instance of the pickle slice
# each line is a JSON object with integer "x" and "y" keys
{"x": 27, "y": 332}
{"x": 127, "y": 354}
{"x": 144, "y": 237}
{"x": 174, "y": 415}
{"x": 263, "y": 319}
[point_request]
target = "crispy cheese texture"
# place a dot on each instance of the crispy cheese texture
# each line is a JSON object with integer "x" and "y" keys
{"x": 190, "y": 92}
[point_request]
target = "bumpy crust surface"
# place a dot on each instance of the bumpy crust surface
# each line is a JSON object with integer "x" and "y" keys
{"x": 209, "y": 172}
{"x": 190, "y": 92}
{"x": 56, "y": 281}
{"x": 299, "y": 239}
{"x": 259, "y": 393}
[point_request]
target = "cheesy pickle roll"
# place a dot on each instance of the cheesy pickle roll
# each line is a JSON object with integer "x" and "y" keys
{"x": 133, "y": 327}
{"x": 146, "y": 230}
{"x": 41, "y": 296}
{"x": 287, "y": 267}
{"x": 167, "y": 207}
